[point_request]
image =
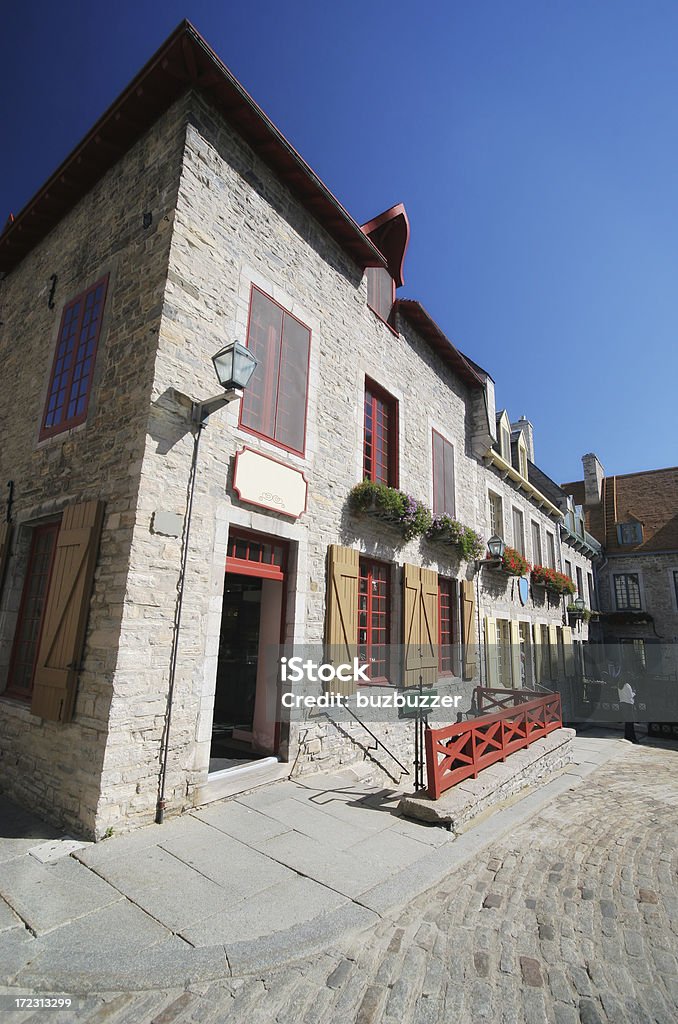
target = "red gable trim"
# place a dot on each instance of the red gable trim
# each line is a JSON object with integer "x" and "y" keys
{"x": 390, "y": 232}
{"x": 415, "y": 313}
{"x": 183, "y": 62}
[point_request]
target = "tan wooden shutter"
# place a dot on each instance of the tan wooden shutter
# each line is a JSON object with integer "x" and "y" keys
{"x": 468, "y": 628}
{"x": 420, "y": 625}
{"x": 341, "y": 619}
{"x": 568, "y": 651}
{"x": 492, "y": 658}
{"x": 429, "y": 626}
{"x": 516, "y": 667}
{"x": 412, "y": 639}
{"x": 5, "y": 538}
{"x": 538, "y": 655}
{"x": 65, "y": 614}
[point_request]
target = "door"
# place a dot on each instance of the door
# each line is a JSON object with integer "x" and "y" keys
{"x": 244, "y": 724}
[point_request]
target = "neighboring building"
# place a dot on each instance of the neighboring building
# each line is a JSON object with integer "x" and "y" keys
{"x": 182, "y": 221}
{"x": 635, "y": 518}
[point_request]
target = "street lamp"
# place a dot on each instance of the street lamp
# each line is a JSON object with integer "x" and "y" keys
{"x": 496, "y": 547}
{"x": 234, "y": 365}
{"x": 579, "y": 605}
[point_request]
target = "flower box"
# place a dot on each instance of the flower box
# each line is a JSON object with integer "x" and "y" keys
{"x": 410, "y": 516}
{"x": 467, "y": 543}
{"x": 513, "y": 563}
{"x": 554, "y": 581}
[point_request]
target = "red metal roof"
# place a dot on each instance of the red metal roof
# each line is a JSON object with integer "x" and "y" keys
{"x": 390, "y": 232}
{"x": 415, "y": 313}
{"x": 183, "y": 62}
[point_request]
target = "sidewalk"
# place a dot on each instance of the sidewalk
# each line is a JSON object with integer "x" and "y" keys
{"x": 237, "y": 887}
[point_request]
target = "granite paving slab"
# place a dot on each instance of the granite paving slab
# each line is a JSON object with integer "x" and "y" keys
{"x": 239, "y": 869}
{"x": 20, "y": 830}
{"x": 366, "y": 814}
{"x": 342, "y": 870}
{"x": 16, "y": 950}
{"x": 98, "y": 941}
{"x": 133, "y": 843}
{"x": 310, "y": 820}
{"x": 240, "y": 821}
{"x": 48, "y": 896}
{"x": 166, "y": 888}
{"x": 289, "y": 903}
{"x": 171, "y": 963}
{"x": 8, "y": 918}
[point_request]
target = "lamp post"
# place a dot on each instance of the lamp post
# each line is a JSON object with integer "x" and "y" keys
{"x": 234, "y": 365}
{"x": 496, "y": 548}
{"x": 579, "y": 605}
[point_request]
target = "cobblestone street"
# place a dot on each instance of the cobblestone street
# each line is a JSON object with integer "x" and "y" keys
{"x": 572, "y": 918}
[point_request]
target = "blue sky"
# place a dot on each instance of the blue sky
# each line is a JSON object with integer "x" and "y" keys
{"x": 533, "y": 144}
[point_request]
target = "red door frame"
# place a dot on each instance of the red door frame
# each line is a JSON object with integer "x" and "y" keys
{"x": 266, "y": 571}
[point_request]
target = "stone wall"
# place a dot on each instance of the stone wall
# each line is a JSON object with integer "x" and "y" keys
{"x": 53, "y": 767}
{"x": 237, "y": 226}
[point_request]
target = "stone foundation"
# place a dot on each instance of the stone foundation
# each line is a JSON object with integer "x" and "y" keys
{"x": 494, "y": 785}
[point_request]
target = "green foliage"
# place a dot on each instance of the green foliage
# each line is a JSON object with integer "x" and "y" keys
{"x": 446, "y": 530}
{"x": 411, "y": 516}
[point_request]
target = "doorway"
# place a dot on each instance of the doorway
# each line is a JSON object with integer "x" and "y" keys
{"x": 244, "y": 723}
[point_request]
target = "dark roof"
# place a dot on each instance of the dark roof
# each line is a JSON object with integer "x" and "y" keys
{"x": 649, "y": 497}
{"x": 544, "y": 483}
{"x": 416, "y": 315}
{"x": 183, "y": 62}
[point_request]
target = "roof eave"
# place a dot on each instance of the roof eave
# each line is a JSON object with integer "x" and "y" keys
{"x": 184, "y": 61}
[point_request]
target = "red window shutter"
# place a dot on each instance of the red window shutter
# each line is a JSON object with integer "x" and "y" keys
{"x": 71, "y": 377}
{"x": 275, "y": 400}
{"x": 380, "y": 292}
{"x": 66, "y": 610}
{"x": 443, "y": 476}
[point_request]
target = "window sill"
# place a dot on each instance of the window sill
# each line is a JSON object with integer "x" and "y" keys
{"x": 276, "y": 445}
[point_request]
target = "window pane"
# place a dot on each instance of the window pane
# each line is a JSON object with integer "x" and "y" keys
{"x": 379, "y": 431}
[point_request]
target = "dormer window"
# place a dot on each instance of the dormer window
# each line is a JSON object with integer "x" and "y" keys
{"x": 503, "y": 444}
{"x": 380, "y": 292}
{"x": 522, "y": 457}
{"x": 630, "y": 533}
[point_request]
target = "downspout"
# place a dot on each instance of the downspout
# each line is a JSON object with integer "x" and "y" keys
{"x": 164, "y": 750}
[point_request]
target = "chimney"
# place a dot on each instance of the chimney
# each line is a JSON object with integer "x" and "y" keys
{"x": 593, "y": 479}
{"x": 528, "y": 433}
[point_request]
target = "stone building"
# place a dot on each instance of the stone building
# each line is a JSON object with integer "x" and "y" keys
{"x": 149, "y": 566}
{"x": 635, "y": 518}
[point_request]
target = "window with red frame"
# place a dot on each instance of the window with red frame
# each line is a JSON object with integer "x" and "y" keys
{"x": 373, "y": 618}
{"x": 380, "y": 292}
{"x": 27, "y": 634}
{"x": 443, "y": 475}
{"x": 70, "y": 382}
{"x": 448, "y": 634}
{"x": 274, "y": 403}
{"x": 380, "y": 452}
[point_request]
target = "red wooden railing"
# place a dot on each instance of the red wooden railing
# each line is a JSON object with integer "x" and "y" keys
{"x": 461, "y": 751}
{"x": 489, "y": 697}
